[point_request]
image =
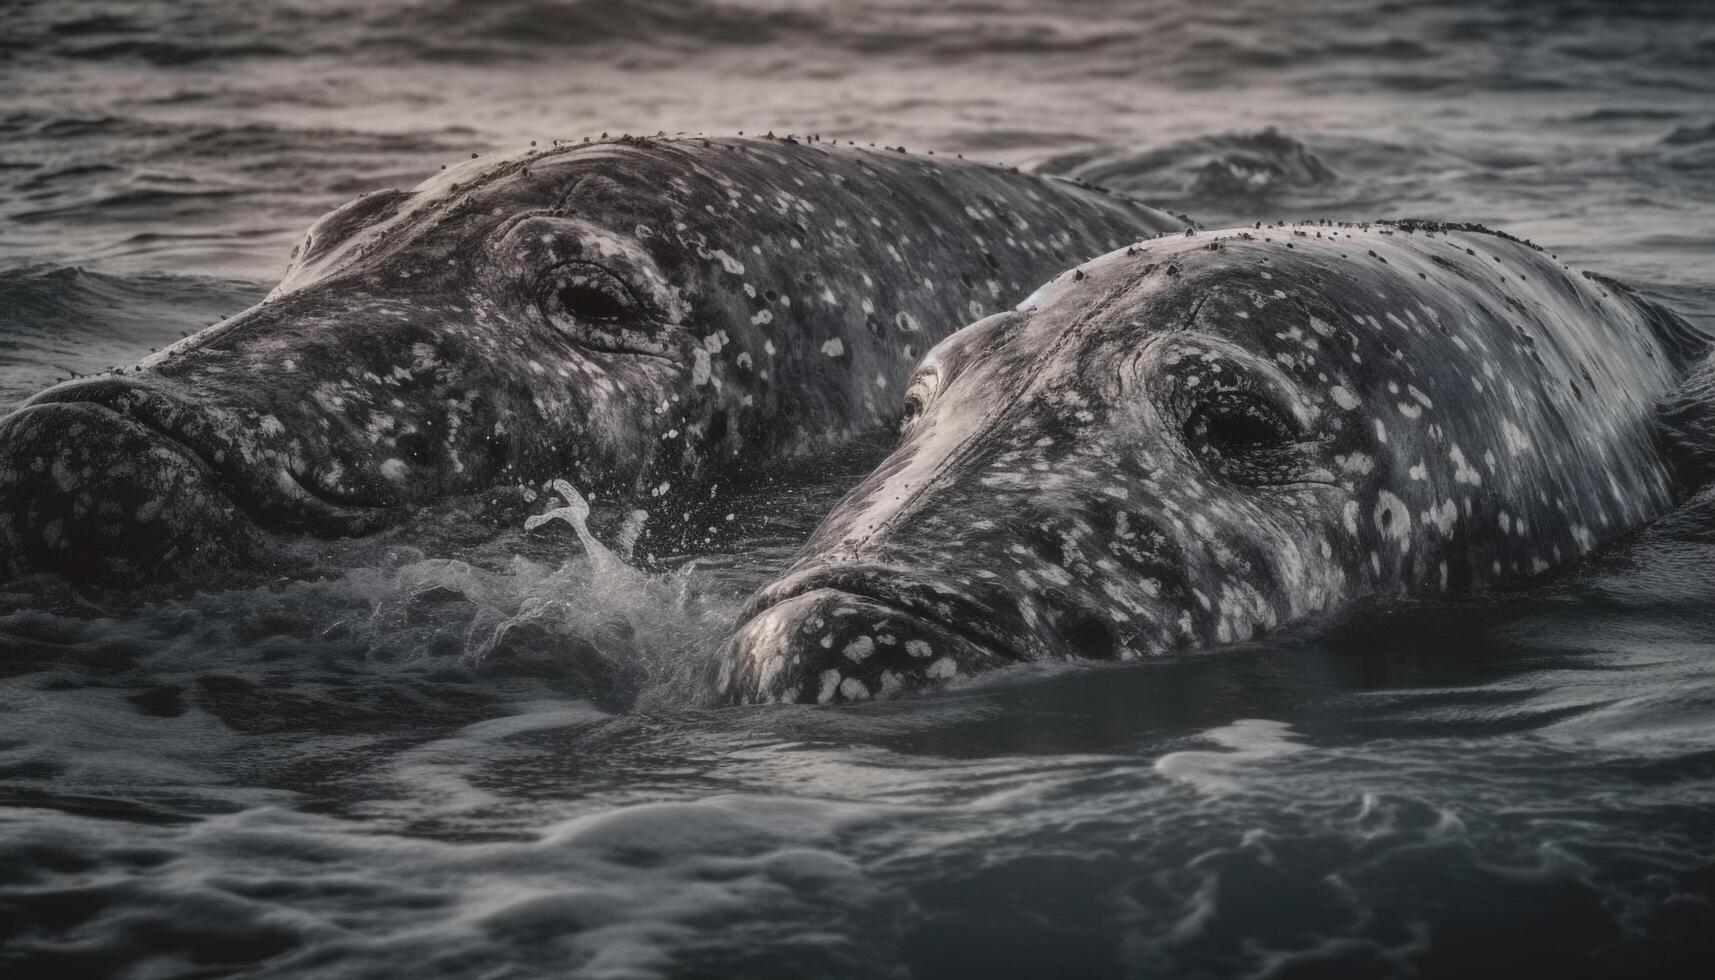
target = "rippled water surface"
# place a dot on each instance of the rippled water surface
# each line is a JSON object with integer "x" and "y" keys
{"x": 459, "y": 755}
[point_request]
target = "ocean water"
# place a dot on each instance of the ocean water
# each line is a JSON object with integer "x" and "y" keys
{"x": 447, "y": 756}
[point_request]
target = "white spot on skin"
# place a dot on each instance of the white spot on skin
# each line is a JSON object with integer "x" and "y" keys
{"x": 834, "y": 348}
{"x": 1463, "y": 472}
{"x": 859, "y": 648}
{"x": 1393, "y": 519}
{"x": 1344, "y": 398}
{"x": 918, "y": 648}
{"x": 1442, "y": 518}
{"x": 395, "y": 470}
{"x": 1358, "y": 463}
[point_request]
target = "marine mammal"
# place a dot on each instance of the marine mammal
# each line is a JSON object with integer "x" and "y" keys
{"x": 1191, "y": 440}
{"x": 635, "y": 315}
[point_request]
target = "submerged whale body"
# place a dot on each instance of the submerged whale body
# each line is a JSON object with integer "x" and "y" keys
{"x": 1189, "y": 441}
{"x": 639, "y": 316}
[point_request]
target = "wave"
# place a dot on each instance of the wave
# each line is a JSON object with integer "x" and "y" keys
{"x": 536, "y": 22}
{"x": 1614, "y": 115}
{"x": 475, "y": 31}
{"x": 1219, "y": 173}
{"x": 1690, "y": 135}
{"x": 56, "y": 321}
{"x": 162, "y": 203}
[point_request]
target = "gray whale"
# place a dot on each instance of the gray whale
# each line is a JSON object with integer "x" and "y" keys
{"x": 640, "y": 316}
{"x": 1189, "y": 441}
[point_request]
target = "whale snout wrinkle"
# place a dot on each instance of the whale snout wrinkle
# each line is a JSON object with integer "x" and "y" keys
{"x": 95, "y": 495}
{"x": 247, "y": 454}
{"x": 1194, "y": 441}
{"x": 646, "y": 318}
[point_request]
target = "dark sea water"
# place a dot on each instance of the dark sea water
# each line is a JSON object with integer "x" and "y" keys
{"x": 488, "y": 758}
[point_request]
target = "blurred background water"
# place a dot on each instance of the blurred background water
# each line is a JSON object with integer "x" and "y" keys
{"x": 487, "y": 758}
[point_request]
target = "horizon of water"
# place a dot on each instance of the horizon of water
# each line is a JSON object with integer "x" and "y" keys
{"x": 491, "y": 757}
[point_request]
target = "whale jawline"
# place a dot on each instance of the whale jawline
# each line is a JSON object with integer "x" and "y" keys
{"x": 315, "y": 512}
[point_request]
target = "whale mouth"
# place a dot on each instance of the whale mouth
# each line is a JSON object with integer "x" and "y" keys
{"x": 93, "y": 494}
{"x": 941, "y": 609}
{"x": 272, "y": 498}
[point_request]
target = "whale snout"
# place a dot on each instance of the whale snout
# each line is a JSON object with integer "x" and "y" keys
{"x": 96, "y": 495}
{"x": 833, "y": 638}
{"x": 117, "y": 481}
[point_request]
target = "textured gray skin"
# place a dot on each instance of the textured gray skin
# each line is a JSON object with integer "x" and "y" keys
{"x": 733, "y": 300}
{"x": 1190, "y": 441}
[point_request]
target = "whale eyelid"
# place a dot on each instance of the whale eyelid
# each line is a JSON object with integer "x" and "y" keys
{"x": 595, "y": 284}
{"x": 1248, "y": 402}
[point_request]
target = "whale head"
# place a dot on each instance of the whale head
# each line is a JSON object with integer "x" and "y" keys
{"x": 1191, "y": 442}
{"x": 605, "y": 313}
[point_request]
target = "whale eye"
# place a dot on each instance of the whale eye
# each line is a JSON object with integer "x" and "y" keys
{"x": 1241, "y": 424}
{"x": 917, "y": 394}
{"x": 1242, "y": 435}
{"x": 585, "y": 291}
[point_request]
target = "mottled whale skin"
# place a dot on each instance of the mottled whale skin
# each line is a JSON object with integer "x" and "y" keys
{"x": 639, "y": 316}
{"x": 1189, "y": 441}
